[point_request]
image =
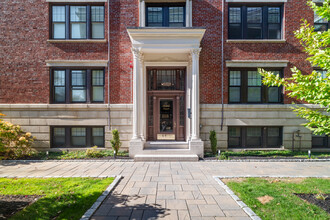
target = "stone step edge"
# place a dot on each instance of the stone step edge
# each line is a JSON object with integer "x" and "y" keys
{"x": 167, "y": 155}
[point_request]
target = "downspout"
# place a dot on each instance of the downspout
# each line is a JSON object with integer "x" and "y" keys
{"x": 109, "y": 64}
{"x": 222, "y": 63}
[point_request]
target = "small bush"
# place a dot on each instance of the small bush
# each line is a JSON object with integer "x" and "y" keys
{"x": 14, "y": 142}
{"x": 214, "y": 142}
{"x": 94, "y": 152}
{"x": 115, "y": 142}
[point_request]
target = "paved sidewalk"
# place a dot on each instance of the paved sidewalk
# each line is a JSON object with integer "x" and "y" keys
{"x": 167, "y": 190}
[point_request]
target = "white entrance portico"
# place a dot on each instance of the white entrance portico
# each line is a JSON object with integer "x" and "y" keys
{"x": 172, "y": 53}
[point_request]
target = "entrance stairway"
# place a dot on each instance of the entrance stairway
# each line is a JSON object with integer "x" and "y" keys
{"x": 166, "y": 151}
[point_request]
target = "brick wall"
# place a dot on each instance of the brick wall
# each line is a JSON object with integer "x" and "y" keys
{"x": 24, "y": 48}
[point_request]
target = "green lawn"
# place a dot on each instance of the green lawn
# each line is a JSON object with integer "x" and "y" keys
{"x": 285, "y": 204}
{"x": 64, "y": 198}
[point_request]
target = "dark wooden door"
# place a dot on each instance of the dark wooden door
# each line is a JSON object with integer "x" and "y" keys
{"x": 166, "y": 104}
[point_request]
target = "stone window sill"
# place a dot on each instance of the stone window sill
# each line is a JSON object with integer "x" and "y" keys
{"x": 76, "y": 41}
{"x": 256, "y": 41}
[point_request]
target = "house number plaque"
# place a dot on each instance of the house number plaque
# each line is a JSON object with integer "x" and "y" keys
{"x": 166, "y": 137}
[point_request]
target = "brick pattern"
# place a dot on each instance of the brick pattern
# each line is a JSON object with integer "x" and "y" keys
{"x": 24, "y": 49}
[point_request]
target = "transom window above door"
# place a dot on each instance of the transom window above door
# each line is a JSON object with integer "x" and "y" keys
{"x": 165, "y": 15}
{"x": 166, "y": 79}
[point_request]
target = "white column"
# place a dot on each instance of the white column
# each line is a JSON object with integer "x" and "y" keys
{"x": 188, "y": 98}
{"x": 136, "y": 84}
{"x": 195, "y": 94}
{"x": 187, "y": 13}
{"x": 141, "y": 85}
{"x": 142, "y": 13}
{"x": 190, "y": 17}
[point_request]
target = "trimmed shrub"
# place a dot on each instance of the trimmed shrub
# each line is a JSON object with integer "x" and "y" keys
{"x": 115, "y": 142}
{"x": 94, "y": 152}
{"x": 214, "y": 142}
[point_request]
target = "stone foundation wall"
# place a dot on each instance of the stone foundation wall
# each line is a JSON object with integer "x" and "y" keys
{"x": 252, "y": 115}
{"x": 37, "y": 119}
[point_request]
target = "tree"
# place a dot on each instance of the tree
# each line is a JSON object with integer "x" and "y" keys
{"x": 312, "y": 88}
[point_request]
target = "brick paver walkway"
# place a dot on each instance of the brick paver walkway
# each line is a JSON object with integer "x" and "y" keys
{"x": 167, "y": 190}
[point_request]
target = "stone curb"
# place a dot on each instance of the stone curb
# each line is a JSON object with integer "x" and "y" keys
{"x": 245, "y": 208}
{"x": 270, "y": 160}
{"x": 34, "y": 161}
{"x": 88, "y": 214}
{"x": 202, "y": 161}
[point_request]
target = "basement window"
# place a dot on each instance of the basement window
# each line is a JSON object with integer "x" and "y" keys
{"x": 77, "y": 22}
{"x": 320, "y": 141}
{"x": 254, "y": 137}
{"x": 77, "y": 137}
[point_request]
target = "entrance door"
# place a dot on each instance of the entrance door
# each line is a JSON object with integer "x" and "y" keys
{"x": 167, "y": 120}
{"x": 166, "y": 104}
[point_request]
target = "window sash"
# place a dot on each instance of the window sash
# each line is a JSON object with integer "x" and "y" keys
{"x": 165, "y": 15}
{"x": 254, "y": 137}
{"x": 247, "y": 86}
{"x": 97, "y": 85}
{"x": 255, "y": 27}
{"x": 78, "y": 86}
{"x": 89, "y": 136}
{"x": 90, "y": 25}
{"x": 320, "y": 141}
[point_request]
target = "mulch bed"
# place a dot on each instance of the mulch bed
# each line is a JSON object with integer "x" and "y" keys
{"x": 10, "y": 204}
{"x": 323, "y": 204}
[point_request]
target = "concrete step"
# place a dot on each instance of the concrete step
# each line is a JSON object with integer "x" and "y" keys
{"x": 166, "y": 145}
{"x": 161, "y": 151}
{"x": 166, "y": 158}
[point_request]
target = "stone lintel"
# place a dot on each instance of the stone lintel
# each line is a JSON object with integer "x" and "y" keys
{"x": 75, "y": 1}
{"x": 257, "y": 63}
{"x": 78, "y": 63}
{"x": 255, "y": 1}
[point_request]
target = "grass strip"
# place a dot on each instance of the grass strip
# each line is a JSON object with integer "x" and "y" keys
{"x": 284, "y": 204}
{"x": 64, "y": 198}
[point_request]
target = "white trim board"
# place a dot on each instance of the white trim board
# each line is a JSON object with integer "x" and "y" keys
{"x": 257, "y": 63}
{"x": 256, "y": 1}
{"x": 75, "y": 1}
{"x": 80, "y": 63}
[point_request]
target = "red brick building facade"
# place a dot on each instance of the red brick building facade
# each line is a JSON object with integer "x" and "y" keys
{"x": 29, "y": 54}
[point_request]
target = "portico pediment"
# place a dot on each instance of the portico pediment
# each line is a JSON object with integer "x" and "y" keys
{"x": 166, "y": 40}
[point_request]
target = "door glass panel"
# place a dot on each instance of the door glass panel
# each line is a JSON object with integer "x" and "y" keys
{"x": 166, "y": 115}
{"x": 182, "y": 110}
{"x": 151, "y": 111}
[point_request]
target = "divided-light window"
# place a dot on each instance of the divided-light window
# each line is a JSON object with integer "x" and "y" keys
{"x": 254, "y": 137}
{"x": 77, "y": 136}
{"x": 165, "y": 15}
{"x": 77, "y": 22}
{"x": 320, "y": 141}
{"x": 255, "y": 22}
{"x": 77, "y": 85}
{"x": 245, "y": 86}
{"x": 320, "y": 24}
